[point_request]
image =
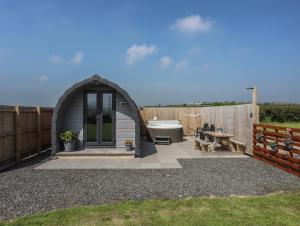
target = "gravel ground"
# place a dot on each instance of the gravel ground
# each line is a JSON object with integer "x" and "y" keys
{"x": 24, "y": 190}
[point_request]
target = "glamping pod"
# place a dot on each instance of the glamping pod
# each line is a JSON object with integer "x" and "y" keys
{"x": 100, "y": 112}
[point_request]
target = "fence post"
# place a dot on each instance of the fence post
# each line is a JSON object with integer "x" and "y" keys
{"x": 255, "y": 112}
{"x": 254, "y": 143}
{"x": 18, "y": 133}
{"x": 38, "y": 130}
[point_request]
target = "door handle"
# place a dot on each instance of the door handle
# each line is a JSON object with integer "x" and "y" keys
{"x": 98, "y": 116}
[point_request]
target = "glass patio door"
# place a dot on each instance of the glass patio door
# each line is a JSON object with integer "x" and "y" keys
{"x": 91, "y": 123}
{"x": 107, "y": 119}
{"x": 100, "y": 118}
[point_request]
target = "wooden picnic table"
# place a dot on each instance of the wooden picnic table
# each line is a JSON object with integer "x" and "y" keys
{"x": 221, "y": 138}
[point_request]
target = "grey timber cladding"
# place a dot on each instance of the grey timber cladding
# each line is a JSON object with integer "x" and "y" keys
{"x": 125, "y": 125}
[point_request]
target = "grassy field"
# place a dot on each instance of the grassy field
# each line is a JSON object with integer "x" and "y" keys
{"x": 275, "y": 209}
{"x": 284, "y": 124}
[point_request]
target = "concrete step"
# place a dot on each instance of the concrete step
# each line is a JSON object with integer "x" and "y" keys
{"x": 97, "y": 153}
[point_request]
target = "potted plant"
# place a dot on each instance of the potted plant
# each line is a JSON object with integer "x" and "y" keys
{"x": 69, "y": 138}
{"x": 274, "y": 147}
{"x": 288, "y": 144}
{"x": 260, "y": 137}
{"x": 128, "y": 145}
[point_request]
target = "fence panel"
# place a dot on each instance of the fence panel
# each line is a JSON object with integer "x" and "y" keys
{"x": 24, "y": 131}
{"x": 7, "y": 134}
{"x": 46, "y": 118}
{"x": 28, "y": 127}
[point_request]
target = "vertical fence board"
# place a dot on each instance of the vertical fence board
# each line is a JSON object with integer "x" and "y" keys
{"x": 38, "y": 134}
{"x": 18, "y": 140}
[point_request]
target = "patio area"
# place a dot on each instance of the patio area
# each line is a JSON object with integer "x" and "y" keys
{"x": 155, "y": 157}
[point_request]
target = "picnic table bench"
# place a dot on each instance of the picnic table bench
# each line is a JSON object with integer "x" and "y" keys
{"x": 201, "y": 144}
{"x": 239, "y": 146}
{"x": 223, "y": 140}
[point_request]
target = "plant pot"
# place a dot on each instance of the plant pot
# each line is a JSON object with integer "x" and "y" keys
{"x": 260, "y": 137}
{"x": 274, "y": 148}
{"x": 288, "y": 144}
{"x": 70, "y": 145}
{"x": 128, "y": 147}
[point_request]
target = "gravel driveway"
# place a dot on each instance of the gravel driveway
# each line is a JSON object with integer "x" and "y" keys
{"x": 24, "y": 190}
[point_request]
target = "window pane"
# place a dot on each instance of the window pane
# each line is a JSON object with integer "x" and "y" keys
{"x": 107, "y": 129}
{"x": 107, "y": 125}
{"x": 91, "y": 117}
{"x": 107, "y": 103}
{"x": 92, "y": 104}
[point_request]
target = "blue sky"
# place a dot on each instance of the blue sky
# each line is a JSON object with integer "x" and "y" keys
{"x": 161, "y": 52}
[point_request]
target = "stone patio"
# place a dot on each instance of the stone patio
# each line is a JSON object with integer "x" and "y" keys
{"x": 155, "y": 157}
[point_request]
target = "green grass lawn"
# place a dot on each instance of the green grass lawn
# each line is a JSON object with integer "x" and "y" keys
{"x": 284, "y": 124}
{"x": 275, "y": 209}
{"x": 106, "y": 132}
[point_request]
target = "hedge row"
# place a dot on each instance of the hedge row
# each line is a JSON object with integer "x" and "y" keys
{"x": 280, "y": 113}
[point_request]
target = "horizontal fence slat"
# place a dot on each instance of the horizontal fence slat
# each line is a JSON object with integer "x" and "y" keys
{"x": 296, "y": 130}
{"x": 7, "y": 134}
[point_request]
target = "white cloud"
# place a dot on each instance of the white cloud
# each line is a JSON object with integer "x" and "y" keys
{"x": 77, "y": 58}
{"x": 166, "y": 61}
{"x": 43, "y": 78}
{"x": 192, "y": 24}
{"x": 181, "y": 64}
{"x": 137, "y": 53}
{"x": 55, "y": 59}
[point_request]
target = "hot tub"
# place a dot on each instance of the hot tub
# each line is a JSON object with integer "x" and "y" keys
{"x": 171, "y": 128}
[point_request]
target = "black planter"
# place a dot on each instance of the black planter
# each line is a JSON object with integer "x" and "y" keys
{"x": 288, "y": 144}
{"x": 260, "y": 137}
{"x": 274, "y": 148}
{"x": 128, "y": 147}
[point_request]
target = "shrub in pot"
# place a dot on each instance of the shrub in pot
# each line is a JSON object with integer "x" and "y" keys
{"x": 289, "y": 144}
{"x": 274, "y": 147}
{"x": 260, "y": 137}
{"x": 288, "y": 141}
{"x": 128, "y": 145}
{"x": 69, "y": 138}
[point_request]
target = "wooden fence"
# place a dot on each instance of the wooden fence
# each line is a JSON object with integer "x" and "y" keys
{"x": 24, "y": 131}
{"x": 236, "y": 120}
{"x": 279, "y": 146}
